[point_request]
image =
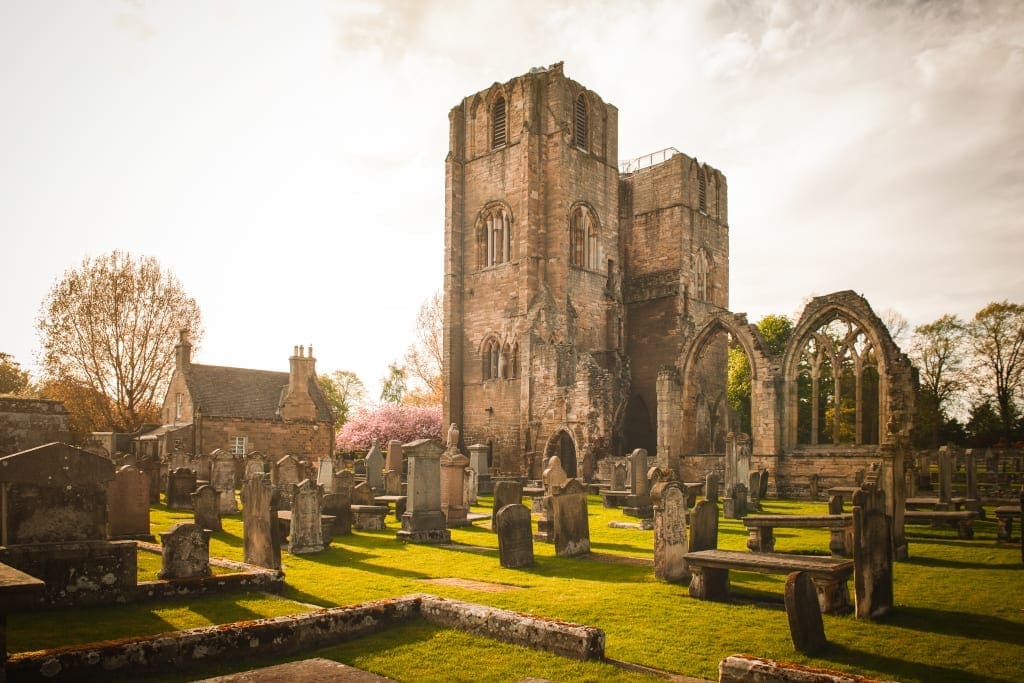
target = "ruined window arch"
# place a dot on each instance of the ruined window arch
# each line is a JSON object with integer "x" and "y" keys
{"x": 583, "y": 238}
{"x": 701, "y": 279}
{"x": 510, "y": 358}
{"x": 494, "y": 236}
{"x": 499, "y": 123}
{"x": 490, "y": 358}
{"x": 837, "y": 386}
{"x": 580, "y": 116}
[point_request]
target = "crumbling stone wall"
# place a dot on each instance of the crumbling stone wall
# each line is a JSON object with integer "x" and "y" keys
{"x": 29, "y": 422}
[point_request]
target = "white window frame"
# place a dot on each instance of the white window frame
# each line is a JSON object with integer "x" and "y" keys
{"x": 237, "y": 441}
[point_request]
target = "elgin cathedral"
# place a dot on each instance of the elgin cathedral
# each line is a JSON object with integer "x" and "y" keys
{"x": 586, "y": 301}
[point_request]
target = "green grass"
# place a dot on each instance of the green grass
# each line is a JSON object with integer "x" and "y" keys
{"x": 959, "y": 612}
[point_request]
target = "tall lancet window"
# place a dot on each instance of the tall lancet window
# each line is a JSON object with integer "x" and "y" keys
{"x": 494, "y": 237}
{"x": 583, "y": 238}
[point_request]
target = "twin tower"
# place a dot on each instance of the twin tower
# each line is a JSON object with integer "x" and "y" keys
{"x": 572, "y": 279}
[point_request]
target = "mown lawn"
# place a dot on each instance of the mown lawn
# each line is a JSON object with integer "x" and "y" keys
{"x": 959, "y": 613}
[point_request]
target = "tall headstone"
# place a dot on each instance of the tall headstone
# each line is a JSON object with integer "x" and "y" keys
{"x": 222, "y": 478}
{"x": 515, "y": 540}
{"x": 306, "y": 533}
{"x": 737, "y": 460}
{"x": 815, "y": 485}
{"x": 180, "y": 485}
{"x": 506, "y": 492}
{"x": 618, "y": 482}
{"x": 946, "y": 454}
{"x": 206, "y": 507}
{"x": 287, "y": 472}
{"x": 186, "y": 552}
{"x": 470, "y": 488}
{"x": 375, "y": 468}
{"x": 423, "y": 521}
{"x": 453, "y": 479}
{"x": 670, "y": 532}
{"x": 128, "y": 503}
{"x": 262, "y": 538}
{"x": 763, "y": 485}
{"x": 806, "y": 627}
{"x": 393, "y": 461}
{"x": 569, "y": 524}
{"x": 735, "y": 503}
{"x": 478, "y": 454}
{"x": 711, "y": 487}
{"x": 872, "y": 552}
{"x": 754, "y": 490}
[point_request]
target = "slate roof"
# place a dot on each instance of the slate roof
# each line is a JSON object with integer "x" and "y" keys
{"x": 239, "y": 392}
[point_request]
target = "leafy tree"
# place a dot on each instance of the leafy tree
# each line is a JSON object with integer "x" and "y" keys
{"x": 425, "y": 356}
{"x": 87, "y": 408}
{"x": 938, "y": 351}
{"x": 13, "y": 380}
{"x": 111, "y": 325}
{"x": 984, "y": 426}
{"x": 344, "y": 391}
{"x": 394, "y": 384}
{"x": 389, "y": 421}
{"x": 997, "y": 336}
{"x": 776, "y": 330}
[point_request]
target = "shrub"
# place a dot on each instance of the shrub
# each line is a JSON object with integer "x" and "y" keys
{"x": 389, "y": 421}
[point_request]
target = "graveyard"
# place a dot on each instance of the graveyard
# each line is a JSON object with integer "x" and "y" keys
{"x": 954, "y": 615}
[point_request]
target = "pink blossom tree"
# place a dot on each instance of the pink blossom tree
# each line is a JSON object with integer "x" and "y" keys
{"x": 389, "y": 421}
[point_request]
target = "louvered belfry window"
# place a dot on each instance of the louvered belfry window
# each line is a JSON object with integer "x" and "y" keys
{"x": 702, "y": 190}
{"x": 580, "y": 137}
{"x": 499, "y": 136}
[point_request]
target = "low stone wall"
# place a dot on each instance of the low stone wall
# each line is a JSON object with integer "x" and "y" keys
{"x": 78, "y": 573}
{"x": 299, "y": 633}
{"x": 747, "y": 669}
{"x": 834, "y": 465}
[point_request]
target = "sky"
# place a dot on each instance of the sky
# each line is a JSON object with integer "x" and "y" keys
{"x": 286, "y": 160}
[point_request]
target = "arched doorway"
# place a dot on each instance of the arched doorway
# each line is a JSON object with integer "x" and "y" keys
{"x": 562, "y": 444}
{"x": 637, "y": 427}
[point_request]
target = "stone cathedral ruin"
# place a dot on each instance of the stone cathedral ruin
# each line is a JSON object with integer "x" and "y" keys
{"x": 587, "y": 308}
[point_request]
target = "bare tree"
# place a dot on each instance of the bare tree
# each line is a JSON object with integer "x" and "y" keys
{"x": 997, "y": 335}
{"x": 425, "y": 355}
{"x": 111, "y": 325}
{"x": 895, "y": 323}
{"x": 937, "y": 350}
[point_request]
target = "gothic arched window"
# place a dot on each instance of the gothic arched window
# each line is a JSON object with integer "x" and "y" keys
{"x": 583, "y": 238}
{"x": 494, "y": 237}
{"x": 499, "y": 123}
{"x": 580, "y": 122}
{"x": 490, "y": 355}
{"x": 701, "y": 268}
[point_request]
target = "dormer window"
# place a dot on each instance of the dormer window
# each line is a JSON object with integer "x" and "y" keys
{"x": 499, "y": 124}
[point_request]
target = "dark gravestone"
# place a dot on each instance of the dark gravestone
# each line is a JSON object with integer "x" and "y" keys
{"x": 180, "y": 485}
{"x": 711, "y": 488}
{"x": 128, "y": 501}
{"x": 618, "y": 482}
{"x": 262, "y": 540}
{"x": 754, "y": 488}
{"x": 815, "y": 484}
{"x": 515, "y": 536}
{"x": 206, "y": 507}
{"x": 835, "y": 505}
{"x": 505, "y": 493}
{"x": 736, "y": 502}
{"x": 806, "y": 626}
{"x": 339, "y": 506}
{"x": 762, "y": 493}
{"x": 186, "y": 552}
{"x": 872, "y": 553}
{"x": 703, "y": 527}
{"x": 670, "y": 532}
{"x": 570, "y": 526}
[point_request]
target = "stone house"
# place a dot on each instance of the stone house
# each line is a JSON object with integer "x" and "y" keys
{"x": 240, "y": 410}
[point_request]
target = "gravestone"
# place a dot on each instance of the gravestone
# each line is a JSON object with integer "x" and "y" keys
{"x": 375, "y": 468}
{"x": 618, "y": 476}
{"x": 178, "y": 459}
{"x": 287, "y": 472}
{"x": 339, "y": 506}
{"x": 815, "y": 483}
{"x": 554, "y": 475}
{"x": 470, "y": 488}
{"x": 186, "y": 552}
{"x": 254, "y": 463}
{"x": 736, "y": 502}
{"x": 670, "y": 532}
{"x": 478, "y": 460}
{"x": 453, "y": 479}
{"x": 711, "y": 487}
{"x": 206, "y": 507}
{"x": 946, "y": 454}
{"x": 506, "y": 492}
{"x": 423, "y": 521}
{"x": 222, "y": 478}
{"x": 306, "y": 533}
{"x": 128, "y": 503}
{"x": 359, "y": 467}
{"x": 753, "y": 490}
{"x": 515, "y": 539}
{"x": 872, "y": 553}
{"x": 393, "y": 461}
{"x": 262, "y": 537}
{"x": 737, "y": 460}
{"x": 806, "y": 627}
{"x": 703, "y": 527}
{"x": 392, "y": 483}
{"x": 325, "y": 474}
{"x": 762, "y": 493}
{"x": 180, "y": 485}
{"x": 835, "y": 505}
{"x": 570, "y": 526}
{"x": 201, "y": 464}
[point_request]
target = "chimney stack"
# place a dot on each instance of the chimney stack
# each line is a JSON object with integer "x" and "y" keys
{"x": 182, "y": 352}
{"x": 298, "y": 404}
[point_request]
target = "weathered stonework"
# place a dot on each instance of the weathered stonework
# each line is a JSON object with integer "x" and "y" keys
{"x": 28, "y": 422}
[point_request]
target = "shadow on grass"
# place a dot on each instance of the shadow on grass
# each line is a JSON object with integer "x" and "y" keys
{"x": 223, "y": 612}
{"x": 957, "y": 624}
{"x": 955, "y": 564}
{"x": 897, "y": 668}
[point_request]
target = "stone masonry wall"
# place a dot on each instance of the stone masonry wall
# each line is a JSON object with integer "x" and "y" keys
{"x": 27, "y": 422}
{"x": 273, "y": 438}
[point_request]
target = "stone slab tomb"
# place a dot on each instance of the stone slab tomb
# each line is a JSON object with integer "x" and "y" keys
{"x": 128, "y": 503}
{"x": 262, "y": 540}
{"x": 181, "y": 483}
{"x": 515, "y": 536}
{"x": 206, "y": 507}
{"x": 185, "y": 552}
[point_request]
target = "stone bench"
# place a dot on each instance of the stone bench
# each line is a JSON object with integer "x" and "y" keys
{"x": 369, "y": 517}
{"x": 762, "y": 530}
{"x": 963, "y": 519}
{"x": 1004, "y": 517}
{"x": 934, "y": 503}
{"x": 399, "y": 501}
{"x": 710, "y": 570}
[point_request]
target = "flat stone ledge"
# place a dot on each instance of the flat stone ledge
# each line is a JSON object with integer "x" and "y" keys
{"x": 302, "y": 671}
{"x": 748, "y": 669}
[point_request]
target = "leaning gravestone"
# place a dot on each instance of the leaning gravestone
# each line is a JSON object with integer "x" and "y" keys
{"x": 262, "y": 539}
{"x": 128, "y": 502}
{"x": 872, "y": 552}
{"x": 670, "y": 532}
{"x": 206, "y": 507}
{"x": 306, "y": 534}
{"x": 186, "y": 552}
{"x": 570, "y": 526}
{"x": 180, "y": 485}
{"x": 222, "y": 478}
{"x": 806, "y": 627}
{"x": 375, "y": 468}
{"x": 505, "y": 493}
{"x": 515, "y": 538}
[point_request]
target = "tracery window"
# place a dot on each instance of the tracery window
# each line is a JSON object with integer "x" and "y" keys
{"x": 580, "y": 122}
{"x": 701, "y": 266}
{"x": 499, "y": 123}
{"x": 494, "y": 237}
{"x": 583, "y": 238}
